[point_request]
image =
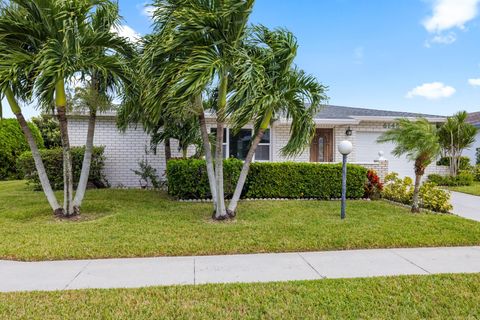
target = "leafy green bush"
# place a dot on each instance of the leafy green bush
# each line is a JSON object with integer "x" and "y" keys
{"x": 477, "y": 154}
{"x": 401, "y": 190}
{"x": 476, "y": 172}
{"x": 49, "y": 129}
{"x": 12, "y": 145}
{"x": 187, "y": 179}
{"x": 464, "y": 178}
{"x": 398, "y": 190}
{"x": 53, "y": 161}
{"x": 435, "y": 199}
{"x": 464, "y": 162}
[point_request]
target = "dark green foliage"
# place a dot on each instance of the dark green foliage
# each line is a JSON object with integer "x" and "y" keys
{"x": 477, "y": 153}
{"x": 187, "y": 179}
{"x": 464, "y": 162}
{"x": 12, "y": 145}
{"x": 49, "y": 129}
{"x": 462, "y": 179}
{"x": 53, "y": 161}
{"x": 148, "y": 175}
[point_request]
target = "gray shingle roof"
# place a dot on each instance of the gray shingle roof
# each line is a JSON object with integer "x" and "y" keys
{"x": 474, "y": 118}
{"x": 337, "y": 112}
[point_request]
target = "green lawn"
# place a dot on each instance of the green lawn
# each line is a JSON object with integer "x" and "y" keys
{"x": 409, "y": 297}
{"x": 473, "y": 189}
{"x": 135, "y": 223}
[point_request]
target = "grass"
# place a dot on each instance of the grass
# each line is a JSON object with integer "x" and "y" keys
{"x": 474, "y": 189}
{"x": 137, "y": 223}
{"x": 407, "y": 297}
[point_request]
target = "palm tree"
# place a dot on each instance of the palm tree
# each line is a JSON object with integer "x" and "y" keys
{"x": 16, "y": 69}
{"x": 457, "y": 135}
{"x": 101, "y": 85}
{"x": 419, "y": 141}
{"x": 211, "y": 34}
{"x": 68, "y": 41}
{"x": 286, "y": 92}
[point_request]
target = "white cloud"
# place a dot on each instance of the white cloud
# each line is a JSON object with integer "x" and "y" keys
{"x": 127, "y": 32}
{"x": 474, "y": 82}
{"x": 448, "y": 14}
{"x": 146, "y": 9}
{"x": 449, "y": 38}
{"x": 432, "y": 91}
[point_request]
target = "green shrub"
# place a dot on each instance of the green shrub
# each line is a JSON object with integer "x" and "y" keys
{"x": 398, "y": 190}
{"x": 434, "y": 199}
{"x": 464, "y": 178}
{"x": 401, "y": 190}
{"x": 476, "y": 172}
{"x": 53, "y": 161}
{"x": 187, "y": 179}
{"x": 464, "y": 162}
{"x": 477, "y": 156}
{"x": 12, "y": 145}
{"x": 49, "y": 129}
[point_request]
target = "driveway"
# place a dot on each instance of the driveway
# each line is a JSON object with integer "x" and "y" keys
{"x": 466, "y": 205}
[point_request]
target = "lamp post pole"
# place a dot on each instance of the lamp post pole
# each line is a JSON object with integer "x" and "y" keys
{"x": 344, "y": 186}
{"x": 345, "y": 148}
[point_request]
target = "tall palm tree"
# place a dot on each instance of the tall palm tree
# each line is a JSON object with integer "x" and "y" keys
{"x": 97, "y": 96}
{"x": 419, "y": 141}
{"x": 286, "y": 92}
{"x": 212, "y": 32}
{"x": 456, "y": 135}
{"x": 68, "y": 42}
{"x": 16, "y": 83}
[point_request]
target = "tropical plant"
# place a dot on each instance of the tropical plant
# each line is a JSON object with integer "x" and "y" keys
{"x": 456, "y": 135}
{"x": 18, "y": 49}
{"x": 49, "y": 129}
{"x": 285, "y": 91}
{"x": 70, "y": 37}
{"x": 419, "y": 141}
{"x": 373, "y": 186}
{"x": 201, "y": 42}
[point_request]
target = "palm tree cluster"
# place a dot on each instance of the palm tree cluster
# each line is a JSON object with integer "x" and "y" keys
{"x": 45, "y": 44}
{"x": 203, "y": 57}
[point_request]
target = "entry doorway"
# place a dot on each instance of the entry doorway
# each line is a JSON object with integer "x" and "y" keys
{"x": 321, "y": 149}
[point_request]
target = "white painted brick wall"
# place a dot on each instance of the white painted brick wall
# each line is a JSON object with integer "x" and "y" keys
{"x": 123, "y": 151}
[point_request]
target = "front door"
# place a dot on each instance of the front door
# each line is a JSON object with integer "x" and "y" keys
{"x": 321, "y": 149}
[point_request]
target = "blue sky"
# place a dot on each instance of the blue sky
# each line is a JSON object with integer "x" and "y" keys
{"x": 409, "y": 55}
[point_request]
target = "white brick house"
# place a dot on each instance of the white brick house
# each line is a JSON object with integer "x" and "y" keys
{"x": 362, "y": 127}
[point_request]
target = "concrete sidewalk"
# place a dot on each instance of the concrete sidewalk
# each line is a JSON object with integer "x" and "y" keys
{"x": 142, "y": 272}
{"x": 466, "y": 205}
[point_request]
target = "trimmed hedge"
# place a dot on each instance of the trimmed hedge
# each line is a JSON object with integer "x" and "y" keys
{"x": 187, "y": 179}
{"x": 53, "y": 161}
{"x": 464, "y": 178}
{"x": 12, "y": 145}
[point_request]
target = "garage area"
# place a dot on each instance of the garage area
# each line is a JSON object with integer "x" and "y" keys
{"x": 367, "y": 149}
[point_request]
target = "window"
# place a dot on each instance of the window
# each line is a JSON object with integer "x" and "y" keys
{"x": 237, "y": 145}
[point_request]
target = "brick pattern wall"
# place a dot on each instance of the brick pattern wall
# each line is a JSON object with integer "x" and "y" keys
{"x": 123, "y": 151}
{"x": 381, "y": 167}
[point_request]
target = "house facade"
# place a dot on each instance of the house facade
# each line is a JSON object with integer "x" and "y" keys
{"x": 362, "y": 127}
{"x": 474, "y": 118}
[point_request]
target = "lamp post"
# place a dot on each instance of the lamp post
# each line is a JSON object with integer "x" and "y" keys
{"x": 345, "y": 147}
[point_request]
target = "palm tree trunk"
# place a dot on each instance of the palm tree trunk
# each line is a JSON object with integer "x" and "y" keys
{"x": 184, "y": 153}
{"x": 168, "y": 150}
{"x": 232, "y": 207}
{"x": 221, "y": 212}
{"x": 208, "y": 158}
{"x": 416, "y": 191}
{"x": 61, "y": 106}
{"x": 87, "y": 161}
{"x": 42, "y": 173}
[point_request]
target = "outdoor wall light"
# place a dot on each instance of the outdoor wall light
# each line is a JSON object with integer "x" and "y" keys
{"x": 349, "y": 132}
{"x": 345, "y": 148}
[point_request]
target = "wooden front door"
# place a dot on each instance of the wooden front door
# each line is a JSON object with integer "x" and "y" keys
{"x": 321, "y": 149}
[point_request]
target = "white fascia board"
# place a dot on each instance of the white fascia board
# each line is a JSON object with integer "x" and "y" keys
{"x": 392, "y": 119}
{"x": 323, "y": 121}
